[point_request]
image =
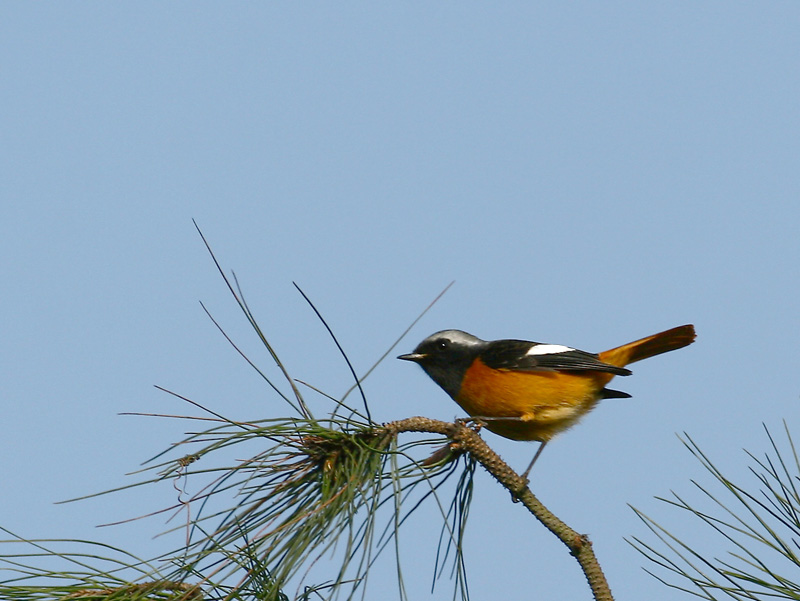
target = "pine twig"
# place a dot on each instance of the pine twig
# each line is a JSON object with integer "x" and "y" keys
{"x": 471, "y": 442}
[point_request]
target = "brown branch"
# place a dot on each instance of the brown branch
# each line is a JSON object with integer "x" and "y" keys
{"x": 184, "y": 591}
{"x": 471, "y": 442}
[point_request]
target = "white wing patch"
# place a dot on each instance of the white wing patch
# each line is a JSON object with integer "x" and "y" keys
{"x": 548, "y": 349}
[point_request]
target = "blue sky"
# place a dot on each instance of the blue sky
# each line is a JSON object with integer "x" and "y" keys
{"x": 587, "y": 174}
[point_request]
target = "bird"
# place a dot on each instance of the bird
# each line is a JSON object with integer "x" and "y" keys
{"x": 531, "y": 391}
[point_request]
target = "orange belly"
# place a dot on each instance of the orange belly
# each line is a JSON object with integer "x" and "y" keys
{"x": 544, "y": 402}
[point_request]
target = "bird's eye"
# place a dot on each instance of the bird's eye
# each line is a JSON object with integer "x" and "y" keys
{"x": 443, "y": 344}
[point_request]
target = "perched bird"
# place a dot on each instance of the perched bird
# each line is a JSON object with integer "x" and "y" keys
{"x": 529, "y": 390}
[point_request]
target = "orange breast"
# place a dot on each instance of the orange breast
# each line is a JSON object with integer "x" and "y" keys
{"x": 544, "y": 402}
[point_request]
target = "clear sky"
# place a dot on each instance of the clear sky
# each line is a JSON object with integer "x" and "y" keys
{"x": 588, "y": 173}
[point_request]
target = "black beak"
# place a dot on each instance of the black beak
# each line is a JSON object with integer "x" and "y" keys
{"x": 415, "y": 357}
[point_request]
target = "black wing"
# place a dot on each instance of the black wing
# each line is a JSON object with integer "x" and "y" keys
{"x": 515, "y": 355}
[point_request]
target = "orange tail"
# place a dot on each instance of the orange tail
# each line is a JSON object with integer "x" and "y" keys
{"x": 649, "y": 347}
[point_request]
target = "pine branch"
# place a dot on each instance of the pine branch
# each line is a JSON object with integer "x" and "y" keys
{"x": 468, "y": 440}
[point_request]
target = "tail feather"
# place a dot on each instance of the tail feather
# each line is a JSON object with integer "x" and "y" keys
{"x": 656, "y": 344}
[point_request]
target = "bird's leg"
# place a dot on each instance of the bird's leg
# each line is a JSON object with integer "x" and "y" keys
{"x": 535, "y": 457}
{"x": 478, "y": 419}
{"x": 483, "y": 418}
